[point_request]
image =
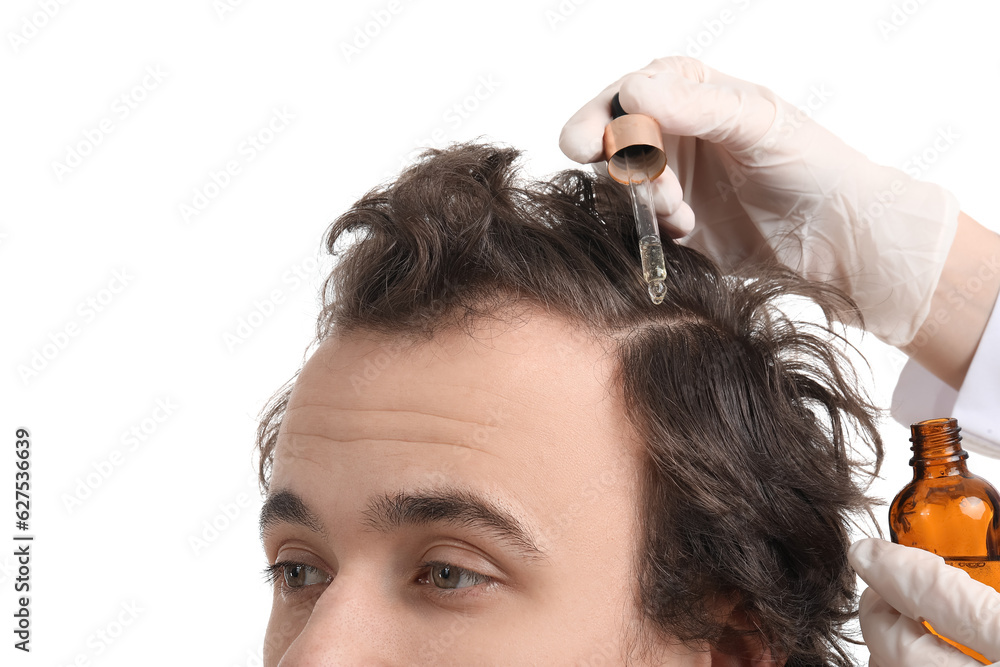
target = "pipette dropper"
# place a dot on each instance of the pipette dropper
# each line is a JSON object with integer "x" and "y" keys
{"x": 633, "y": 147}
{"x": 654, "y": 268}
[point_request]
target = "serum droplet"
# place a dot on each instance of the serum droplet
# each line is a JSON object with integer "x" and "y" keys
{"x": 657, "y": 290}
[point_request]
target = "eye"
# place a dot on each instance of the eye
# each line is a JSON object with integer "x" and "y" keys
{"x": 295, "y": 576}
{"x": 298, "y": 575}
{"x": 447, "y": 576}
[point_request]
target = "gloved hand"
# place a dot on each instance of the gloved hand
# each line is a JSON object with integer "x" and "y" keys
{"x": 908, "y": 586}
{"x": 765, "y": 180}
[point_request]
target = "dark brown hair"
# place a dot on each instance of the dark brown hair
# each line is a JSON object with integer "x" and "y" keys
{"x": 747, "y": 416}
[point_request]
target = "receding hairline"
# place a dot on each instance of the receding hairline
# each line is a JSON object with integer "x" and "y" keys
{"x": 484, "y": 318}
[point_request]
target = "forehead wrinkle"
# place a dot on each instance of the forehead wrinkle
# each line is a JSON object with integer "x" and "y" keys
{"x": 406, "y": 441}
{"x": 392, "y": 410}
{"x": 347, "y": 425}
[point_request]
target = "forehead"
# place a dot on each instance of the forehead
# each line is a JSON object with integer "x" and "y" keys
{"x": 530, "y": 369}
{"x": 527, "y": 413}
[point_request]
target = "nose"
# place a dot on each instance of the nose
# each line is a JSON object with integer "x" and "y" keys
{"x": 352, "y": 623}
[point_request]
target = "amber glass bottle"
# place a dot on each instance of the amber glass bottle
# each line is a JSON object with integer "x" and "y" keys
{"x": 946, "y": 509}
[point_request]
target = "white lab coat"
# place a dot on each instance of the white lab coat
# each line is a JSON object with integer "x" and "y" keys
{"x": 920, "y": 395}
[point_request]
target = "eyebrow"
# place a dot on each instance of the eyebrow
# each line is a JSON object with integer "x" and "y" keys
{"x": 287, "y": 507}
{"x": 388, "y": 512}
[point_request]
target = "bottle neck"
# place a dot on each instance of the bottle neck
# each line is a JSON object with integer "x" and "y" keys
{"x": 937, "y": 449}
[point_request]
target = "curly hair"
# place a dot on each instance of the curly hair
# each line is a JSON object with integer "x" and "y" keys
{"x": 748, "y": 418}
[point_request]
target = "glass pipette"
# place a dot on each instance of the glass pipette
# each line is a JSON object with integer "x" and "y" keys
{"x": 654, "y": 269}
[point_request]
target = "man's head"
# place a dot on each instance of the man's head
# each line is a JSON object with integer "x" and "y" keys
{"x": 502, "y": 452}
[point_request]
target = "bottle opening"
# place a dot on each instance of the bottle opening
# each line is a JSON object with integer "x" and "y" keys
{"x": 936, "y": 441}
{"x": 940, "y": 421}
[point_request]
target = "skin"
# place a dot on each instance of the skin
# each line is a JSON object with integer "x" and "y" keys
{"x": 962, "y": 303}
{"x": 522, "y": 414}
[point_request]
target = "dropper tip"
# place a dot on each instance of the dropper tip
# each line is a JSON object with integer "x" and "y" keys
{"x": 657, "y": 291}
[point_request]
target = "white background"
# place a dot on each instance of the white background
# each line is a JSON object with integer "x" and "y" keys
{"x": 356, "y": 118}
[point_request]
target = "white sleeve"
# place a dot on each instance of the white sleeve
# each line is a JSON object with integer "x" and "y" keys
{"x": 920, "y": 395}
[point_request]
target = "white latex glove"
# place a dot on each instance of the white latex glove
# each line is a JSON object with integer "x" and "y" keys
{"x": 908, "y": 586}
{"x": 765, "y": 180}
